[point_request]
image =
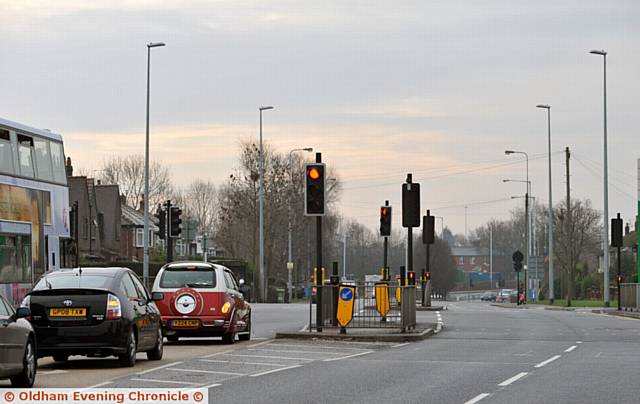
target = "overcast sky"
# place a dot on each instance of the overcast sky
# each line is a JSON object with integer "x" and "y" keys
{"x": 437, "y": 88}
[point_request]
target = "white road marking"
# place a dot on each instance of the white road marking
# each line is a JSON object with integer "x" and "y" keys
{"x": 243, "y": 363}
{"x": 259, "y": 344}
{"x": 216, "y": 354}
{"x": 541, "y": 364}
{"x": 348, "y": 356}
{"x": 99, "y": 385}
{"x": 158, "y": 368}
{"x": 513, "y": 379}
{"x": 162, "y": 381}
{"x": 578, "y": 342}
{"x": 571, "y": 348}
{"x": 274, "y": 370}
{"x": 289, "y": 351}
{"x": 399, "y": 345}
{"x": 52, "y": 372}
{"x": 211, "y": 385}
{"x": 477, "y": 398}
{"x": 316, "y": 346}
{"x": 207, "y": 371}
{"x": 272, "y": 357}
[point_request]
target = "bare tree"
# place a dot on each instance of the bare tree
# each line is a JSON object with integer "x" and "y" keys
{"x": 200, "y": 205}
{"x": 128, "y": 173}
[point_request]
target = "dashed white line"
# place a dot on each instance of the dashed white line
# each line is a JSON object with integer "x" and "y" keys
{"x": 208, "y": 386}
{"x": 207, "y": 371}
{"x": 288, "y": 351}
{"x": 578, "y": 342}
{"x": 243, "y": 363}
{"x": 158, "y": 368}
{"x": 348, "y": 356}
{"x": 216, "y": 354}
{"x": 162, "y": 381}
{"x": 99, "y": 385}
{"x": 571, "y": 348}
{"x": 272, "y": 357}
{"x": 274, "y": 371}
{"x": 259, "y": 344}
{"x": 541, "y": 364}
{"x": 399, "y": 345}
{"x": 477, "y": 398}
{"x": 316, "y": 346}
{"x": 513, "y": 379}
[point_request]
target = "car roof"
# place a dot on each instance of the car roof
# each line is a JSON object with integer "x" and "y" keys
{"x": 106, "y": 271}
{"x": 194, "y": 264}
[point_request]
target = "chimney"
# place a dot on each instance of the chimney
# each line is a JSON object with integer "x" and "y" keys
{"x": 99, "y": 182}
{"x": 141, "y": 204}
{"x": 627, "y": 229}
{"x": 69, "y": 168}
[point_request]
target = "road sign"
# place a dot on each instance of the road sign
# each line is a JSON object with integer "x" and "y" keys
{"x": 346, "y": 299}
{"x": 382, "y": 298}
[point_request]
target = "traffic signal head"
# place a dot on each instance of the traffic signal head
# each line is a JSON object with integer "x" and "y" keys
{"x": 175, "y": 221}
{"x": 427, "y": 276}
{"x": 428, "y": 229}
{"x": 410, "y": 205}
{"x": 161, "y": 215}
{"x": 385, "y": 220}
{"x": 411, "y": 278}
{"x": 517, "y": 266}
{"x": 314, "y": 189}
{"x": 616, "y": 232}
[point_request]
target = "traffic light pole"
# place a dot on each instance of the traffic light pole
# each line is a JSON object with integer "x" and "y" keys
{"x": 169, "y": 238}
{"x": 386, "y": 247}
{"x": 320, "y": 272}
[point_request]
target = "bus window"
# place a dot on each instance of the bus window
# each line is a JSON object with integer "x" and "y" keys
{"x": 6, "y": 157}
{"x": 25, "y": 154}
{"x": 43, "y": 159}
{"x": 57, "y": 157}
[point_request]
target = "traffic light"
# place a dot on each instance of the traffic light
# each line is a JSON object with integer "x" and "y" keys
{"x": 411, "y": 278}
{"x": 410, "y": 204}
{"x": 427, "y": 276}
{"x": 616, "y": 232}
{"x": 161, "y": 215}
{"x": 517, "y": 261}
{"x": 428, "y": 229}
{"x": 314, "y": 189}
{"x": 385, "y": 220}
{"x": 175, "y": 221}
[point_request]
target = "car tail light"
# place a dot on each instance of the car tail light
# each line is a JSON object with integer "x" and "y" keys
{"x": 226, "y": 307}
{"x": 114, "y": 309}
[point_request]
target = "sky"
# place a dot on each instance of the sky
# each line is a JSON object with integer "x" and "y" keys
{"x": 435, "y": 88}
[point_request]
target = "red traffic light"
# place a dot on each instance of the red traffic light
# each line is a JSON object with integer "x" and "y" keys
{"x": 428, "y": 276}
{"x": 384, "y": 211}
{"x": 313, "y": 173}
{"x": 412, "y": 278}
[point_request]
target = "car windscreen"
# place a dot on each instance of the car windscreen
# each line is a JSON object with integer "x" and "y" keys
{"x": 188, "y": 277}
{"x": 74, "y": 281}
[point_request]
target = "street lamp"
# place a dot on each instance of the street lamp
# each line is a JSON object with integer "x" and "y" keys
{"x": 527, "y": 217}
{"x": 145, "y": 236}
{"x": 605, "y": 231}
{"x": 263, "y": 285}
{"x": 290, "y": 262}
{"x": 550, "y": 225}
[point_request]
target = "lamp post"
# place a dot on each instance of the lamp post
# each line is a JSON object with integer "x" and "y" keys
{"x": 290, "y": 261}
{"x": 605, "y": 231}
{"x": 527, "y": 218}
{"x": 550, "y": 224}
{"x": 263, "y": 284}
{"x": 145, "y": 236}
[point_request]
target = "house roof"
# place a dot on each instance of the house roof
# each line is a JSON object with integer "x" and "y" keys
{"x": 134, "y": 218}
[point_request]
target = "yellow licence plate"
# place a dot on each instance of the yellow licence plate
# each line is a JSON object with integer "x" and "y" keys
{"x": 185, "y": 323}
{"x": 68, "y": 312}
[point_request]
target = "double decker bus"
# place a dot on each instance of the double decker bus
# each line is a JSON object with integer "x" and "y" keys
{"x": 34, "y": 207}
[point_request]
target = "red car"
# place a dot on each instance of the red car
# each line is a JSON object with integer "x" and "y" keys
{"x": 201, "y": 299}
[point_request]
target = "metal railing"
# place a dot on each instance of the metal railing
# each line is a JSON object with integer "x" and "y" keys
{"x": 630, "y": 296}
{"x": 369, "y": 312}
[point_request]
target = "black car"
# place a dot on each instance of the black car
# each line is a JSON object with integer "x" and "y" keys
{"x": 94, "y": 312}
{"x": 488, "y": 297}
{"x": 17, "y": 346}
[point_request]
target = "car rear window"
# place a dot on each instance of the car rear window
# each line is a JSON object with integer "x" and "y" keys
{"x": 188, "y": 277}
{"x": 74, "y": 281}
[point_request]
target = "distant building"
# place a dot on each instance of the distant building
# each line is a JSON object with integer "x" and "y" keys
{"x": 476, "y": 259}
{"x": 132, "y": 233}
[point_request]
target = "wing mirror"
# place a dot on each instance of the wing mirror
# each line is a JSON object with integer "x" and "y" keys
{"x": 157, "y": 296}
{"x": 22, "y": 312}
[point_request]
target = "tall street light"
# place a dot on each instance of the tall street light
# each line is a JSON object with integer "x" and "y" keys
{"x": 290, "y": 261}
{"x": 145, "y": 236}
{"x": 527, "y": 218}
{"x": 263, "y": 284}
{"x": 550, "y": 225}
{"x": 605, "y": 231}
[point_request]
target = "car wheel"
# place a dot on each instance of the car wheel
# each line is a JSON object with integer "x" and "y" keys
{"x": 156, "y": 353}
{"x": 247, "y": 335}
{"x": 60, "y": 358}
{"x": 128, "y": 359}
{"x": 27, "y": 377}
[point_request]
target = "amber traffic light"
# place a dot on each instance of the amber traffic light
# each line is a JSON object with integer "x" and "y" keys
{"x": 314, "y": 189}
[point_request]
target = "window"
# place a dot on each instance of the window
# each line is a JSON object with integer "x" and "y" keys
{"x": 128, "y": 288}
{"x": 15, "y": 259}
{"x": 43, "y": 159}
{"x": 74, "y": 280}
{"x": 230, "y": 281}
{"x": 57, "y": 159}
{"x": 139, "y": 242}
{"x": 4, "y": 310}
{"x": 178, "y": 277}
{"x": 25, "y": 155}
{"x": 6, "y": 156}
{"x": 142, "y": 291}
{"x": 473, "y": 261}
{"x": 460, "y": 260}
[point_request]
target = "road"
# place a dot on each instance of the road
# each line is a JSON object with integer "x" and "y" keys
{"x": 485, "y": 354}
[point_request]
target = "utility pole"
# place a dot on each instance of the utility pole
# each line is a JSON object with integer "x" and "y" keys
{"x": 169, "y": 238}
{"x": 344, "y": 255}
{"x": 569, "y": 230}
{"x": 490, "y": 256}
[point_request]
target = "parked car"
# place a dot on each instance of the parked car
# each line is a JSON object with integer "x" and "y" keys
{"x": 200, "y": 299}
{"x": 488, "y": 297}
{"x": 506, "y": 296}
{"x": 17, "y": 346}
{"x": 94, "y": 312}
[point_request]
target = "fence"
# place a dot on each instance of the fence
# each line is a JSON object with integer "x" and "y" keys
{"x": 369, "y": 312}
{"x": 630, "y": 296}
